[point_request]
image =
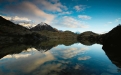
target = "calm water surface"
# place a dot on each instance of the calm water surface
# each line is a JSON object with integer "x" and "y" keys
{"x": 76, "y": 59}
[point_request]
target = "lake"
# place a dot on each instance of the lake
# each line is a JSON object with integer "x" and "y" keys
{"x": 73, "y": 59}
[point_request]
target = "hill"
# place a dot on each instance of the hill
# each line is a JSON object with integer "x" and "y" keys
{"x": 88, "y": 38}
{"x": 9, "y": 28}
{"x": 14, "y": 33}
{"x": 112, "y": 38}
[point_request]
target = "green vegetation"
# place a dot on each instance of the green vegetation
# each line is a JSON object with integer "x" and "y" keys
{"x": 58, "y": 35}
{"x": 89, "y": 38}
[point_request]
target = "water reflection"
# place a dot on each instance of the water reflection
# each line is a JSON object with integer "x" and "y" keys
{"x": 42, "y": 46}
{"x": 113, "y": 52}
{"x": 55, "y": 58}
{"x": 25, "y": 65}
{"x": 68, "y": 52}
{"x": 84, "y": 58}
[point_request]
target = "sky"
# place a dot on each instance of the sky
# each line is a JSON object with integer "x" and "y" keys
{"x": 99, "y": 16}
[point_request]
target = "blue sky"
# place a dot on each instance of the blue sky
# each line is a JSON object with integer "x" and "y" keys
{"x": 99, "y": 16}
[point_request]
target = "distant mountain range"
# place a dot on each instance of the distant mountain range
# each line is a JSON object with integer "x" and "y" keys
{"x": 43, "y": 26}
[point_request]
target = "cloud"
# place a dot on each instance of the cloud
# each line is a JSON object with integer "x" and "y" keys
{"x": 70, "y": 52}
{"x": 85, "y": 17}
{"x": 77, "y": 67}
{"x": 23, "y": 54}
{"x": 71, "y": 22}
{"x": 16, "y": 56}
{"x": 16, "y": 18}
{"x": 118, "y": 19}
{"x": 36, "y": 10}
{"x": 21, "y": 21}
{"x": 84, "y": 58}
{"x": 109, "y": 22}
{"x": 43, "y": 63}
{"x": 65, "y": 13}
{"x": 31, "y": 61}
{"x": 29, "y": 10}
{"x": 49, "y": 68}
{"x": 6, "y": 17}
{"x": 80, "y": 7}
{"x": 53, "y": 5}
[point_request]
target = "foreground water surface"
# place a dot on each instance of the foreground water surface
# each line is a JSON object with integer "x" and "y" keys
{"x": 75, "y": 59}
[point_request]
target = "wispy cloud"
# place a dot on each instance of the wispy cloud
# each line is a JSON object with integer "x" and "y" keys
{"x": 42, "y": 11}
{"x": 80, "y": 7}
{"x": 31, "y": 11}
{"x": 84, "y": 58}
{"x": 65, "y": 13}
{"x": 84, "y": 17}
{"x": 118, "y": 19}
{"x": 70, "y": 22}
{"x": 17, "y": 56}
{"x": 56, "y": 67}
{"x": 20, "y": 20}
{"x": 70, "y": 52}
{"x": 110, "y": 22}
{"x": 44, "y": 57}
{"x": 115, "y": 21}
{"x": 52, "y": 5}
{"x": 16, "y": 18}
{"x": 38, "y": 11}
{"x": 6, "y": 17}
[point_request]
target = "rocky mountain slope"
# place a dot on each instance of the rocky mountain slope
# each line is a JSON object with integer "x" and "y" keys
{"x": 14, "y": 33}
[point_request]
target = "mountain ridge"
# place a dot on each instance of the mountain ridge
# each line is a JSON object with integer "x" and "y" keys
{"x": 14, "y": 33}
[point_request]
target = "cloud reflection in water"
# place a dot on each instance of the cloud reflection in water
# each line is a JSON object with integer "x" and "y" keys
{"x": 35, "y": 62}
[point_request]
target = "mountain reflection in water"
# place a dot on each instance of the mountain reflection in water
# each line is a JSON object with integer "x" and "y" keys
{"x": 57, "y": 58}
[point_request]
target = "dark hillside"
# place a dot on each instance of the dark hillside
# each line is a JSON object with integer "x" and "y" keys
{"x": 9, "y": 28}
{"x": 14, "y": 33}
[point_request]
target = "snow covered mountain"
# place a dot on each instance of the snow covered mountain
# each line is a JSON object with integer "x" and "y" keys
{"x": 43, "y": 26}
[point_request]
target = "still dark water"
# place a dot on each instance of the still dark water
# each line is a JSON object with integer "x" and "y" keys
{"x": 75, "y": 59}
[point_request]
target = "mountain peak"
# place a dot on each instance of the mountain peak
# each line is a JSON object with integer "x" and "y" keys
{"x": 43, "y": 26}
